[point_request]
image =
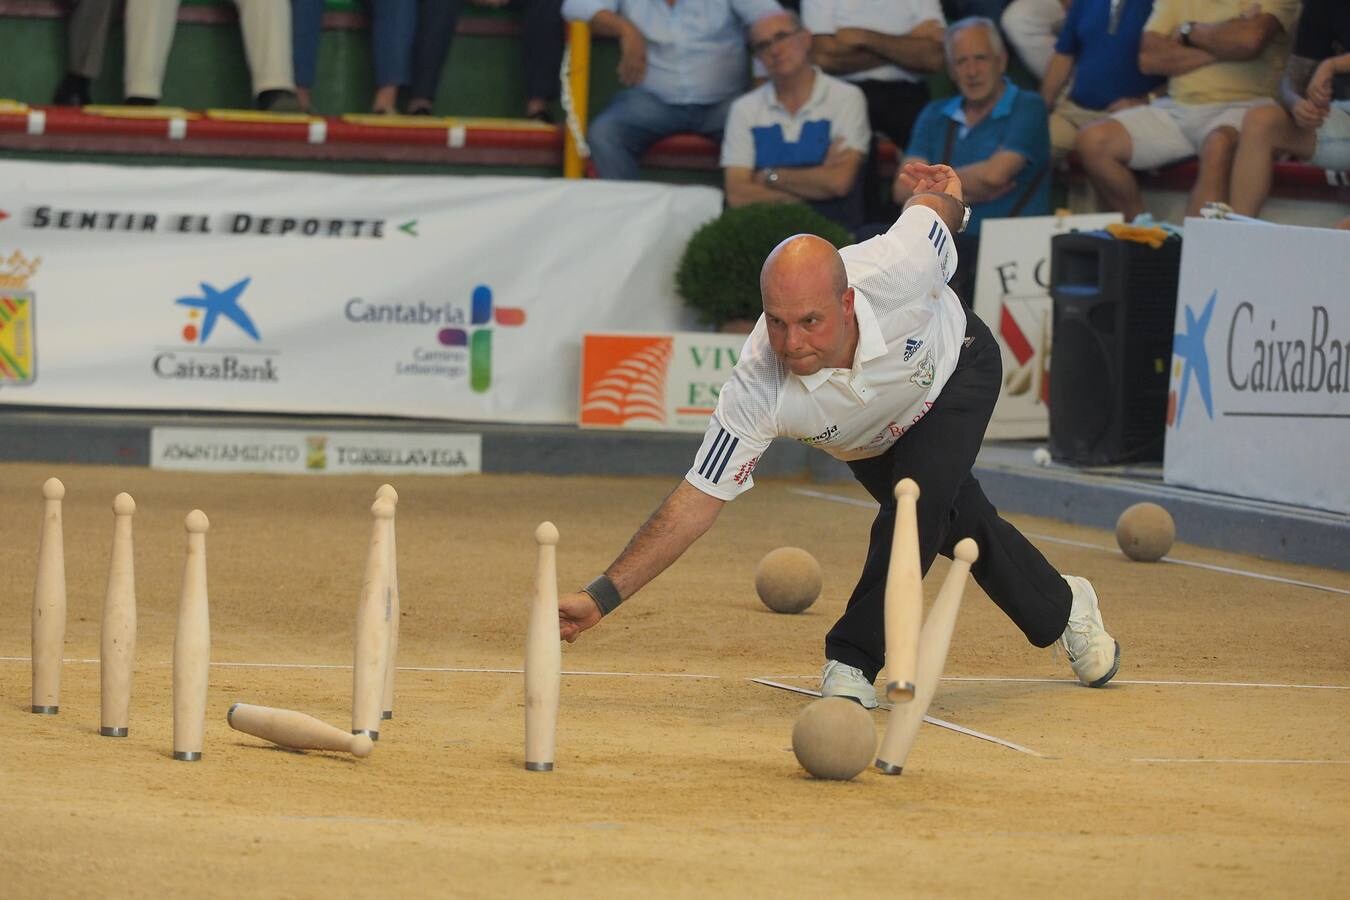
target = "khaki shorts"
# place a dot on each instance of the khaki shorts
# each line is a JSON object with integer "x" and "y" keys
{"x": 1166, "y": 131}
{"x": 1333, "y": 139}
{"x": 1066, "y": 119}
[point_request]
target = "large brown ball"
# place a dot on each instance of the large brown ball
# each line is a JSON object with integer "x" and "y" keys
{"x": 834, "y": 738}
{"x": 1145, "y": 532}
{"x": 788, "y": 579}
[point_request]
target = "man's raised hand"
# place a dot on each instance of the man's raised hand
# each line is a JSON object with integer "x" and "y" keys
{"x": 922, "y": 178}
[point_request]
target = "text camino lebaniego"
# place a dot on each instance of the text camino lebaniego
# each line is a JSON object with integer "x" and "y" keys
{"x": 447, "y": 362}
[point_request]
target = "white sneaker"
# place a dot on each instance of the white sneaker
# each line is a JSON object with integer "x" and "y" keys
{"x": 1094, "y": 654}
{"x": 839, "y": 680}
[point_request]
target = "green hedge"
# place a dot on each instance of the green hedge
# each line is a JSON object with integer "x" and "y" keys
{"x": 719, "y": 273}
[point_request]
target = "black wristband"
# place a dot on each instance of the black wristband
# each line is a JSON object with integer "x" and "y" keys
{"x": 604, "y": 593}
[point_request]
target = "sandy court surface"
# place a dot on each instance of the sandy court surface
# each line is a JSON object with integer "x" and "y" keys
{"x": 665, "y": 786}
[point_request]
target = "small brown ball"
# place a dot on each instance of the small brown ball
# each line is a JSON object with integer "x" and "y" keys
{"x": 788, "y": 579}
{"x": 834, "y": 738}
{"x": 1145, "y": 532}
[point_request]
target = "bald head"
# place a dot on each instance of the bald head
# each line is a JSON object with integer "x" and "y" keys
{"x": 803, "y": 263}
{"x": 808, "y": 305}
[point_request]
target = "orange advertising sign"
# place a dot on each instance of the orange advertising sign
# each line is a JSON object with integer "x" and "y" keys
{"x": 654, "y": 381}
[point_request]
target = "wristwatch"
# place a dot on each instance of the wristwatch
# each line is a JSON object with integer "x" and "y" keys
{"x": 965, "y": 214}
{"x": 770, "y": 176}
{"x": 1184, "y": 32}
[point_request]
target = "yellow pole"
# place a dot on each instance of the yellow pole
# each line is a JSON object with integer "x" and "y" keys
{"x": 579, "y": 87}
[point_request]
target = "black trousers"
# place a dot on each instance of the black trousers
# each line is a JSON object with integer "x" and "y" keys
{"x": 541, "y": 46}
{"x": 938, "y": 453}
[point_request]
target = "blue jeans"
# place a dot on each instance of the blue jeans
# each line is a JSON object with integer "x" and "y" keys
{"x": 636, "y": 118}
{"x": 393, "y": 23}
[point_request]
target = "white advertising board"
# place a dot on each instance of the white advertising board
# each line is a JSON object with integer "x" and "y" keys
{"x": 251, "y": 290}
{"x": 1012, "y": 296}
{"x": 296, "y": 452}
{"x": 1259, "y": 396}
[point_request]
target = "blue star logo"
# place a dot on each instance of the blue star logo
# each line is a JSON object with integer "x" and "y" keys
{"x": 1191, "y": 348}
{"x": 216, "y": 303}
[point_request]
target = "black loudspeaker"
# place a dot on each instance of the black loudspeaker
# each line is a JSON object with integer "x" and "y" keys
{"x": 1114, "y": 309}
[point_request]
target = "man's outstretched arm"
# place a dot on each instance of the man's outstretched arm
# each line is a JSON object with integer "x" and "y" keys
{"x": 679, "y": 521}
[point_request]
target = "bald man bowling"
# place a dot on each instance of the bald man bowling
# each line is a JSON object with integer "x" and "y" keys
{"x": 868, "y": 355}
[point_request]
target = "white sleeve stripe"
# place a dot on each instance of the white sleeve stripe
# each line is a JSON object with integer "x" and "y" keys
{"x": 718, "y": 456}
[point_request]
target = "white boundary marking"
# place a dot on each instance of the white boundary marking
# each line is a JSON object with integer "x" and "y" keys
{"x": 1226, "y": 570}
{"x": 1252, "y": 762}
{"x": 595, "y": 674}
{"x": 1230, "y": 684}
{"x": 270, "y": 665}
{"x": 931, "y": 720}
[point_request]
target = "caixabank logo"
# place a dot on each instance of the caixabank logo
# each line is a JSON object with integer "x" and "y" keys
{"x": 1191, "y": 363}
{"x": 18, "y": 333}
{"x": 1271, "y": 360}
{"x": 220, "y": 340}
{"x": 463, "y": 340}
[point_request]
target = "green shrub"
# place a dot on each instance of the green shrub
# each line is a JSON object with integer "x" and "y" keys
{"x": 719, "y": 274}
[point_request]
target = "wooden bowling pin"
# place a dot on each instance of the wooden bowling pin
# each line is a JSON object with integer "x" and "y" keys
{"x": 372, "y": 627}
{"x": 192, "y": 645}
{"x": 902, "y": 727}
{"x": 288, "y": 728}
{"x": 543, "y": 656}
{"x": 118, "y": 647}
{"x": 49, "y": 604}
{"x": 904, "y": 595}
{"x": 391, "y": 661}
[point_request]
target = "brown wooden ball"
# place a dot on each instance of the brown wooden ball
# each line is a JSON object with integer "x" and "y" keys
{"x": 788, "y": 579}
{"x": 1145, "y": 532}
{"x": 834, "y": 738}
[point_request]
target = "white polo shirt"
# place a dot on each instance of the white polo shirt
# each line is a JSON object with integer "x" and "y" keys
{"x": 883, "y": 16}
{"x": 910, "y": 329}
{"x": 760, "y": 132}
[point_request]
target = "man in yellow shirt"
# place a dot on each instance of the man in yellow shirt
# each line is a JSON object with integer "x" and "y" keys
{"x": 1222, "y": 58}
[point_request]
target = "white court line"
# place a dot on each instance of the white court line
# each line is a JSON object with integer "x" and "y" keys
{"x": 871, "y": 504}
{"x": 267, "y": 665}
{"x": 1253, "y": 762}
{"x": 973, "y": 678}
{"x": 1232, "y": 684}
{"x": 931, "y": 720}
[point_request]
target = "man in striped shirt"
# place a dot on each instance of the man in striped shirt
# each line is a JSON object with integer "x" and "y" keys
{"x": 868, "y": 355}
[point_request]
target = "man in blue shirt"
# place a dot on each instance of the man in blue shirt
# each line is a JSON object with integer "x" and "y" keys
{"x": 993, "y": 133}
{"x": 1099, "y": 50}
{"x": 681, "y": 61}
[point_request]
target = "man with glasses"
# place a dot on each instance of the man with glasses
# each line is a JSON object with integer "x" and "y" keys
{"x": 681, "y": 63}
{"x": 799, "y": 137}
{"x": 887, "y": 48}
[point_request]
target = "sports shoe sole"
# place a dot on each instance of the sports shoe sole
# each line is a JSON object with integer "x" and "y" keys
{"x": 1115, "y": 667}
{"x": 856, "y": 699}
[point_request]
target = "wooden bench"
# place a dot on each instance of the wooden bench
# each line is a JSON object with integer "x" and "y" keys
{"x": 1294, "y": 180}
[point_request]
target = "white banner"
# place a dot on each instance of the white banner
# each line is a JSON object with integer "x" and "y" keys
{"x": 655, "y": 381}
{"x": 1012, "y": 296}
{"x": 1259, "y": 398}
{"x": 294, "y": 452}
{"x": 460, "y": 298}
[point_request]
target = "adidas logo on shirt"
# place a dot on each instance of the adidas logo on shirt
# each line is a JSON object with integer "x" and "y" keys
{"x": 911, "y": 347}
